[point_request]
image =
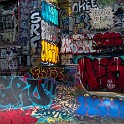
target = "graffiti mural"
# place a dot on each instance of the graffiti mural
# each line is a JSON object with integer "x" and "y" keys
{"x": 15, "y": 100}
{"x": 43, "y": 27}
{"x": 99, "y": 53}
{"x": 35, "y": 32}
{"x": 101, "y": 107}
{"x": 33, "y": 87}
{"x": 49, "y": 34}
{"x": 35, "y": 95}
{"x": 66, "y": 98}
{"x": 92, "y": 43}
{"x": 77, "y": 44}
{"x": 107, "y": 15}
{"x": 52, "y": 72}
{"x": 102, "y": 72}
{"x": 81, "y": 17}
{"x": 53, "y": 95}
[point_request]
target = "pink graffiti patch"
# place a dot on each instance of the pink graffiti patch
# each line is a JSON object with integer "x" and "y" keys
{"x": 55, "y": 107}
{"x": 17, "y": 117}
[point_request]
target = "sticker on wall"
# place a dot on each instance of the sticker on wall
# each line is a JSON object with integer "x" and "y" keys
{"x": 105, "y": 72}
{"x": 3, "y": 64}
{"x": 66, "y": 59}
{"x": 101, "y": 18}
{"x": 3, "y": 53}
{"x": 49, "y": 32}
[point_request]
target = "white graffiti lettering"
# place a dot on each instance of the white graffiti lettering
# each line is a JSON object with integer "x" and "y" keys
{"x": 35, "y": 30}
{"x": 83, "y": 6}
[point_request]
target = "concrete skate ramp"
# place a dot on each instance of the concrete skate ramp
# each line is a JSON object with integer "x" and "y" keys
{"x": 52, "y": 95}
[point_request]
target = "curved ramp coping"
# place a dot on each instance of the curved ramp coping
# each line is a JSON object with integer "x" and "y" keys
{"x": 107, "y": 94}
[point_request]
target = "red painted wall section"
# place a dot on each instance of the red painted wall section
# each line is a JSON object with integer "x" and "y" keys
{"x": 102, "y": 73}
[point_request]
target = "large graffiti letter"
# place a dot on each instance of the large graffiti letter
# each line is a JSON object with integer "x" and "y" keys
{"x": 37, "y": 93}
{"x": 20, "y": 91}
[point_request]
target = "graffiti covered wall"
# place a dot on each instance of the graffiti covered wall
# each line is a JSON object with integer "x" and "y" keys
{"x": 92, "y": 15}
{"x": 53, "y": 95}
{"x": 38, "y": 95}
{"x": 100, "y": 58}
{"x": 92, "y": 43}
{"x": 97, "y": 43}
{"x": 49, "y": 34}
{"x": 84, "y": 16}
{"x": 44, "y": 33}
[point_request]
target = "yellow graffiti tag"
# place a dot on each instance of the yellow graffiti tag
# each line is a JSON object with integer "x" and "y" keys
{"x": 49, "y": 52}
